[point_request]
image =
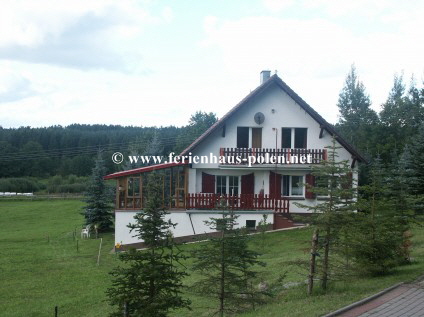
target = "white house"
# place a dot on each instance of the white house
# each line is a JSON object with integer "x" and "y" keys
{"x": 254, "y": 160}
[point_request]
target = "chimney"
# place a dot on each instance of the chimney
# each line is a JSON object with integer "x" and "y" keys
{"x": 265, "y": 75}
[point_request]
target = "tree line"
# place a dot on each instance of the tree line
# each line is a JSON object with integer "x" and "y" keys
{"x": 72, "y": 150}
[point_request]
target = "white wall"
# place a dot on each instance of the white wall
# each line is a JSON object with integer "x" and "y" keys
{"x": 184, "y": 227}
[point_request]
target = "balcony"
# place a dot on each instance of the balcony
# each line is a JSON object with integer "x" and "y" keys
{"x": 257, "y": 156}
{"x": 239, "y": 202}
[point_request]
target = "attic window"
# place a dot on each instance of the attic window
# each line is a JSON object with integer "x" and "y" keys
{"x": 294, "y": 138}
{"x": 249, "y": 137}
{"x": 242, "y": 137}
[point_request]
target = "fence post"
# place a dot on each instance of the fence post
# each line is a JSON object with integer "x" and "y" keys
{"x": 56, "y": 310}
{"x": 100, "y": 249}
{"x": 314, "y": 248}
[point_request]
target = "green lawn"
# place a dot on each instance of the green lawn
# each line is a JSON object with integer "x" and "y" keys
{"x": 41, "y": 268}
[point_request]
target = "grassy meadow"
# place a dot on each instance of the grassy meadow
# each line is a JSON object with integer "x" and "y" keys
{"x": 40, "y": 267}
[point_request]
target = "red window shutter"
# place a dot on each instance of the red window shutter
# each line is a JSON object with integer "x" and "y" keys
{"x": 248, "y": 184}
{"x": 208, "y": 183}
{"x": 274, "y": 185}
{"x": 310, "y": 181}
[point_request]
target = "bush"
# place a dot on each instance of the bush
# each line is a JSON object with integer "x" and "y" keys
{"x": 71, "y": 188}
{"x": 20, "y": 185}
{"x": 71, "y": 184}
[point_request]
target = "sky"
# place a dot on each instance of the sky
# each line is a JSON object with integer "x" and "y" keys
{"x": 155, "y": 63}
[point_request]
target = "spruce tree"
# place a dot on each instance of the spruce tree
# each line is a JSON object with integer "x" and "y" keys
{"x": 378, "y": 232}
{"x": 98, "y": 208}
{"x": 150, "y": 284}
{"x": 226, "y": 266}
{"x": 357, "y": 121}
{"x": 414, "y": 156}
{"x": 334, "y": 183}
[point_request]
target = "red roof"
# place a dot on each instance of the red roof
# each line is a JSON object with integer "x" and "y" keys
{"x": 143, "y": 170}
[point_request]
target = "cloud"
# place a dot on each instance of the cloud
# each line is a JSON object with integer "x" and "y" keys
{"x": 314, "y": 55}
{"x": 14, "y": 87}
{"x": 296, "y": 46}
{"x": 79, "y": 34}
{"x": 277, "y": 5}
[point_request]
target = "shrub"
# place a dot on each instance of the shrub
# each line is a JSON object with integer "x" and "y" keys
{"x": 20, "y": 185}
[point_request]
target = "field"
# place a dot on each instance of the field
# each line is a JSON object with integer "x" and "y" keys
{"x": 41, "y": 267}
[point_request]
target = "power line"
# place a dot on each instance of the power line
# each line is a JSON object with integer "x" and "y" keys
{"x": 92, "y": 149}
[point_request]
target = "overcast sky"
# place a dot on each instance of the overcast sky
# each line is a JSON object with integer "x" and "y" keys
{"x": 157, "y": 62}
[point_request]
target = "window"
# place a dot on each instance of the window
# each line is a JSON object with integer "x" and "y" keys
{"x": 249, "y": 137}
{"x": 233, "y": 188}
{"x": 292, "y": 185}
{"x": 251, "y": 224}
{"x": 221, "y": 185}
{"x": 227, "y": 185}
{"x": 286, "y": 138}
{"x": 242, "y": 137}
{"x": 133, "y": 193}
{"x": 294, "y": 138}
{"x": 133, "y": 186}
{"x": 286, "y": 185}
{"x": 300, "y": 138}
{"x": 296, "y": 186}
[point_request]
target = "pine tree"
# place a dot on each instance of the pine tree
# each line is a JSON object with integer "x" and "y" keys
{"x": 154, "y": 146}
{"x": 150, "y": 284}
{"x": 401, "y": 116}
{"x": 378, "y": 232}
{"x": 414, "y": 154}
{"x": 357, "y": 120}
{"x": 226, "y": 266}
{"x": 98, "y": 208}
{"x": 333, "y": 182}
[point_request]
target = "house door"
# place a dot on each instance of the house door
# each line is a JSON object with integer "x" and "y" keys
{"x": 256, "y": 138}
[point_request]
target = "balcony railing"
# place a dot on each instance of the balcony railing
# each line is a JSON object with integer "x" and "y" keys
{"x": 240, "y": 202}
{"x": 272, "y": 156}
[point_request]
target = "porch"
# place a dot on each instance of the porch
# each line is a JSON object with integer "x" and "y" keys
{"x": 234, "y": 156}
{"x": 237, "y": 202}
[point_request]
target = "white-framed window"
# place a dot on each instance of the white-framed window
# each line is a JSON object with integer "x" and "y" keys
{"x": 248, "y": 137}
{"x": 227, "y": 185}
{"x": 294, "y": 138}
{"x": 233, "y": 188}
{"x": 221, "y": 185}
{"x": 292, "y": 185}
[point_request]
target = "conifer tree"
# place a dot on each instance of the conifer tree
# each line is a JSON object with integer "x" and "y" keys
{"x": 226, "y": 266}
{"x": 378, "y": 232}
{"x": 334, "y": 183}
{"x": 414, "y": 156}
{"x": 150, "y": 284}
{"x": 98, "y": 208}
{"x": 357, "y": 120}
